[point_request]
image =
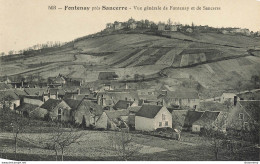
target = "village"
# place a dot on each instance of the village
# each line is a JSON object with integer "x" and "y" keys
{"x": 188, "y": 100}
{"x": 111, "y": 105}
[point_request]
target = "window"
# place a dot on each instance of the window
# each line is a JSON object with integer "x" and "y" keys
{"x": 241, "y": 116}
{"x": 160, "y": 124}
{"x": 163, "y": 117}
{"x": 166, "y": 123}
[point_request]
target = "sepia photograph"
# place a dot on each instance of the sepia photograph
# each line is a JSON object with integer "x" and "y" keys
{"x": 132, "y": 80}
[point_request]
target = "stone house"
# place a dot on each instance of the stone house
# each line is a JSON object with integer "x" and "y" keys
{"x": 180, "y": 99}
{"x": 161, "y": 27}
{"x": 85, "y": 109}
{"x": 244, "y": 115}
{"x": 9, "y": 99}
{"x": 214, "y": 120}
{"x": 58, "y": 109}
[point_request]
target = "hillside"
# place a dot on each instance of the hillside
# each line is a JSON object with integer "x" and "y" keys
{"x": 212, "y": 59}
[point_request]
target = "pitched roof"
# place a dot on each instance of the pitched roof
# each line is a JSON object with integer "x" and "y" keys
{"x": 35, "y": 91}
{"x": 207, "y": 118}
{"x": 8, "y": 94}
{"x": 50, "y": 104}
{"x": 19, "y": 92}
{"x": 107, "y": 75}
{"x": 54, "y": 91}
{"x": 73, "y": 103}
{"x": 252, "y": 108}
{"x": 178, "y": 117}
{"x": 97, "y": 109}
{"x": 123, "y": 104}
{"x": 26, "y": 107}
{"x": 182, "y": 95}
{"x": 191, "y": 117}
{"x": 148, "y": 111}
{"x": 4, "y": 86}
{"x": 134, "y": 109}
{"x": 115, "y": 114}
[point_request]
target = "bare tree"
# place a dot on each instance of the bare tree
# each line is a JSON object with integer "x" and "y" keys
{"x": 122, "y": 143}
{"x": 60, "y": 139}
{"x": 215, "y": 133}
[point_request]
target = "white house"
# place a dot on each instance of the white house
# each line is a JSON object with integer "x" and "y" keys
{"x": 151, "y": 117}
{"x": 227, "y": 97}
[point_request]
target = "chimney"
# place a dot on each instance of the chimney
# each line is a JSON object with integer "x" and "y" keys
{"x": 235, "y": 100}
{"x": 57, "y": 95}
{"x": 22, "y": 83}
{"x": 127, "y": 105}
{"x": 78, "y": 91}
{"x": 126, "y": 87}
{"x": 163, "y": 102}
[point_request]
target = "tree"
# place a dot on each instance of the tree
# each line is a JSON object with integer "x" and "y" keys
{"x": 239, "y": 85}
{"x": 255, "y": 80}
{"x": 122, "y": 143}
{"x": 60, "y": 139}
{"x": 136, "y": 77}
{"x": 215, "y": 134}
{"x": 11, "y": 52}
{"x": 199, "y": 87}
{"x": 169, "y": 22}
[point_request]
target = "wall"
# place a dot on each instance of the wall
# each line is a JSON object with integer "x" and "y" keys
{"x": 158, "y": 118}
{"x": 65, "y": 113}
{"x": 144, "y": 124}
{"x": 102, "y": 121}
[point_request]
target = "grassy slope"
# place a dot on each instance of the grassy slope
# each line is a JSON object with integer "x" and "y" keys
{"x": 214, "y": 60}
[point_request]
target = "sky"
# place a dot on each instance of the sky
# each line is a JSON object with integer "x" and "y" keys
{"x": 24, "y": 23}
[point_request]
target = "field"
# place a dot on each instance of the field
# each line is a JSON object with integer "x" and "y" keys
{"x": 94, "y": 145}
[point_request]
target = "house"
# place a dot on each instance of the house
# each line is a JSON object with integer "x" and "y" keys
{"x": 241, "y": 31}
{"x": 9, "y": 99}
{"x": 118, "y": 25}
{"x": 214, "y": 120}
{"x": 56, "y": 81}
{"x": 26, "y": 109}
{"x": 133, "y": 26}
{"x": 151, "y": 117}
{"x": 124, "y": 104}
{"x": 4, "y": 86}
{"x": 178, "y": 118}
{"x": 35, "y": 91}
{"x": 85, "y": 110}
{"x": 181, "y": 99}
{"x": 190, "y": 118}
{"x": 20, "y": 93}
{"x": 34, "y": 100}
{"x": 244, "y": 115}
{"x": 173, "y": 28}
{"x": 58, "y": 109}
{"x": 228, "y": 97}
{"x": 148, "y": 95}
{"x": 113, "y": 120}
{"x": 110, "y": 98}
{"x": 107, "y": 76}
{"x": 131, "y": 117}
{"x": 55, "y": 93}
{"x": 189, "y": 30}
{"x": 161, "y": 27}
